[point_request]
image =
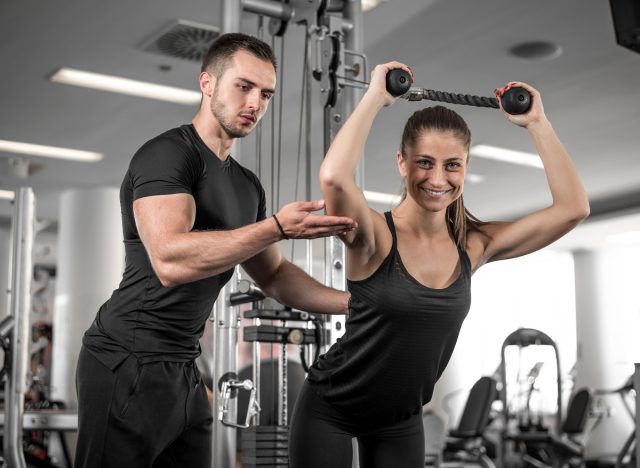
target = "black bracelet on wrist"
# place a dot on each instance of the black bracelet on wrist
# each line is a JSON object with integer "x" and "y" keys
{"x": 280, "y": 227}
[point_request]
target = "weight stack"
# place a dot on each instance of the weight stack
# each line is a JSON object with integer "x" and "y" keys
{"x": 265, "y": 447}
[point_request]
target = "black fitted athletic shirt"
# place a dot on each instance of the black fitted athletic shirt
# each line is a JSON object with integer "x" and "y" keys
{"x": 142, "y": 316}
{"x": 398, "y": 340}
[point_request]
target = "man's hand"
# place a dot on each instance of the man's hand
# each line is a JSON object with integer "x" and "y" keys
{"x": 298, "y": 221}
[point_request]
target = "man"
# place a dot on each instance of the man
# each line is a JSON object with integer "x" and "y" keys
{"x": 190, "y": 213}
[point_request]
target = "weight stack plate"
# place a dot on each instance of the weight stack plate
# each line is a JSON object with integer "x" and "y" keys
{"x": 265, "y": 447}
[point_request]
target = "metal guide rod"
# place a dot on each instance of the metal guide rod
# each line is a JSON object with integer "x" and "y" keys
{"x": 256, "y": 372}
{"x": 225, "y": 339}
{"x": 636, "y": 385}
{"x": 225, "y": 320}
{"x": 354, "y": 41}
{"x": 20, "y": 307}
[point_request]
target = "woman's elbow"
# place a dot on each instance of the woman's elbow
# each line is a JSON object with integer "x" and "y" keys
{"x": 582, "y": 211}
{"x": 586, "y": 211}
{"x": 329, "y": 179}
{"x": 577, "y": 214}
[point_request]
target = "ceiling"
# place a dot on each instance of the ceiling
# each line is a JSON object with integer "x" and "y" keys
{"x": 591, "y": 93}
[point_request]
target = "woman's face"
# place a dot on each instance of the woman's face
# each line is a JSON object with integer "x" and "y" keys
{"x": 434, "y": 169}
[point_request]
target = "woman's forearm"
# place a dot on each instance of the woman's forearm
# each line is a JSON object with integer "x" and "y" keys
{"x": 291, "y": 286}
{"x": 565, "y": 185}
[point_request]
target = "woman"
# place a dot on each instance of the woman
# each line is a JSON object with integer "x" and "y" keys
{"x": 409, "y": 274}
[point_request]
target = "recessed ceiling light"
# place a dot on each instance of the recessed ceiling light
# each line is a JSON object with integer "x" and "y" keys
{"x": 120, "y": 85}
{"x": 506, "y": 155}
{"x": 536, "y": 50}
{"x": 6, "y": 194}
{"x": 49, "y": 151}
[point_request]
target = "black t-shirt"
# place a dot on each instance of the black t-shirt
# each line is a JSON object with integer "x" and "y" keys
{"x": 142, "y": 316}
{"x": 399, "y": 338}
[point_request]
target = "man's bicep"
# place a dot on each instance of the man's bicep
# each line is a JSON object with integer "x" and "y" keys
{"x": 158, "y": 217}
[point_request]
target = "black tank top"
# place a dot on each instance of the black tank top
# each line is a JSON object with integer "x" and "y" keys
{"x": 399, "y": 338}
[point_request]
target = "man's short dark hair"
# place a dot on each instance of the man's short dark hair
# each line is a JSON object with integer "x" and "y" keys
{"x": 225, "y": 46}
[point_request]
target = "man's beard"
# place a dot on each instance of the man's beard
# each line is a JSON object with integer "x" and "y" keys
{"x": 219, "y": 111}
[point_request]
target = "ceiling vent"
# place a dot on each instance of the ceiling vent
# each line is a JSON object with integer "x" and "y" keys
{"x": 183, "y": 39}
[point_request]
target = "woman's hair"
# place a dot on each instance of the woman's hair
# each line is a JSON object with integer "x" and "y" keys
{"x": 442, "y": 119}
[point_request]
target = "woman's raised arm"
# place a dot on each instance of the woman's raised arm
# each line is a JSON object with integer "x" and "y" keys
{"x": 337, "y": 172}
{"x": 570, "y": 202}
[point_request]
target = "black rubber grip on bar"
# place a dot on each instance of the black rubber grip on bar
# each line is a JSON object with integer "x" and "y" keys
{"x": 398, "y": 82}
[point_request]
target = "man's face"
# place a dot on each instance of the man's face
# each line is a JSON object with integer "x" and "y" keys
{"x": 242, "y": 94}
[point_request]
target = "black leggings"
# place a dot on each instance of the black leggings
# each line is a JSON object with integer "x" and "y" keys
{"x": 320, "y": 437}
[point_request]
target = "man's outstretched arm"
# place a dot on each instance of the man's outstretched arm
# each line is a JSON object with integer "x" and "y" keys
{"x": 179, "y": 255}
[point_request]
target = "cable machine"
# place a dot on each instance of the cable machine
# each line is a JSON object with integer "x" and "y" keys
{"x": 333, "y": 33}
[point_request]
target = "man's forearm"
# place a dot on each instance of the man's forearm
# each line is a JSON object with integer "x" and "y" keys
{"x": 192, "y": 256}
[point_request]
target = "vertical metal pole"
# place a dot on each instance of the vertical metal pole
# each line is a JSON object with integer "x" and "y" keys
{"x": 230, "y": 14}
{"x": 354, "y": 40}
{"x": 307, "y": 151}
{"x": 226, "y": 318}
{"x": 636, "y": 385}
{"x": 20, "y": 308}
{"x": 257, "y": 365}
{"x": 225, "y": 341}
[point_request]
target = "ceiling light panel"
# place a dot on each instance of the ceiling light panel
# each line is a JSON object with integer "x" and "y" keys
{"x": 49, "y": 151}
{"x": 506, "y": 155}
{"x": 115, "y": 84}
{"x": 6, "y": 194}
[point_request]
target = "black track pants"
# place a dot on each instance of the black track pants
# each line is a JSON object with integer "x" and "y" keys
{"x": 154, "y": 415}
{"x": 320, "y": 437}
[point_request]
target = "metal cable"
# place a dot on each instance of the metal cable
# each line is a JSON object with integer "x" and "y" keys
{"x": 273, "y": 137}
{"x": 259, "y": 35}
{"x": 302, "y": 106}
{"x": 280, "y": 121}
